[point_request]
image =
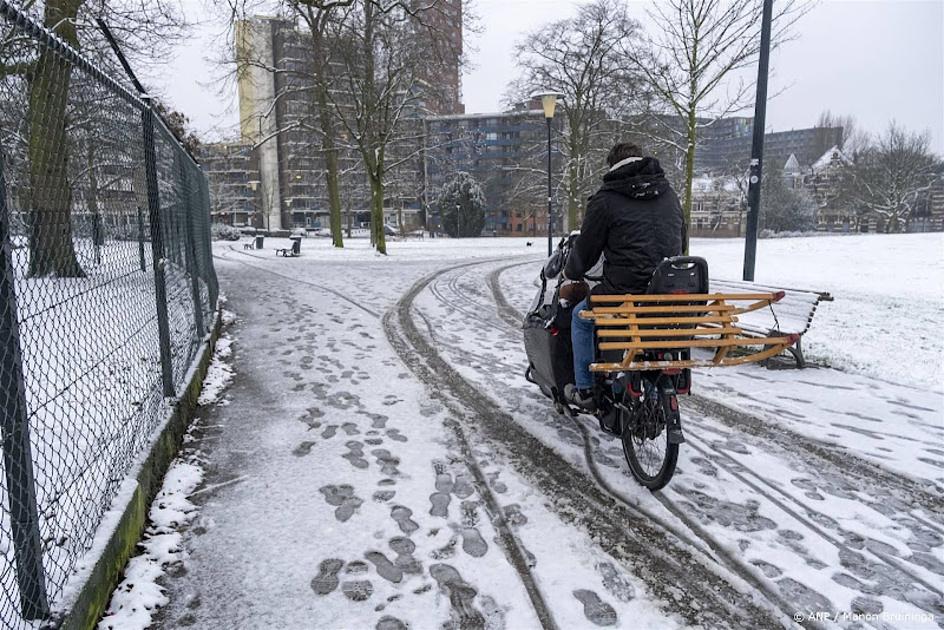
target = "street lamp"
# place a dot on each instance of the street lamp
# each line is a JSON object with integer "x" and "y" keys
{"x": 458, "y": 219}
{"x": 549, "y": 103}
{"x": 253, "y": 185}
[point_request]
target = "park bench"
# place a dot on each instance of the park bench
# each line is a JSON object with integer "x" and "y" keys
{"x": 794, "y": 313}
{"x": 294, "y": 250}
{"x": 742, "y": 322}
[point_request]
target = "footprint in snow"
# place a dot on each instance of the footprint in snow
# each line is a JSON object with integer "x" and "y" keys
{"x": 401, "y": 515}
{"x": 396, "y": 436}
{"x": 461, "y": 595}
{"x": 327, "y": 579}
{"x": 387, "y": 462}
{"x": 385, "y": 569}
{"x": 343, "y": 498}
{"x": 404, "y": 548}
{"x": 303, "y": 449}
{"x": 391, "y": 623}
{"x": 597, "y": 611}
{"x": 355, "y": 454}
{"x": 357, "y": 590}
{"x": 440, "y": 504}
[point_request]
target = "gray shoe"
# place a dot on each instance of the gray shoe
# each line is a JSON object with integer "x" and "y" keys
{"x": 580, "y": 398}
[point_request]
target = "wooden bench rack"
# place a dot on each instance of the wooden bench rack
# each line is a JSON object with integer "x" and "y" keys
{"x": 641, "y": 325}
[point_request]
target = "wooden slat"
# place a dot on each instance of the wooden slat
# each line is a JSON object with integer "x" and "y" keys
{"x": 694, "y": 343}
{"x": 681, "y": 297}
{"x": 635, "y": 366}
{"x": 669, "y": 332}
{"x": 682, "y": 308}
{"x": 751, "y": 307}
{"x": 653, "y": 321}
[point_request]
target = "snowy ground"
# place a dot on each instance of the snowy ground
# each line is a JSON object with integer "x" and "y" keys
{"x": 381, "y": 462}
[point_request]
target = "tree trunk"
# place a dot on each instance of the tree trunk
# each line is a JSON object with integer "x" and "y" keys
{"x": 327, "y": 136}
{"x": 691, "y": 133}
{"x": 334, "y": 195}
{"x": 52, "y": 252}
{"x": 376, "y": 212}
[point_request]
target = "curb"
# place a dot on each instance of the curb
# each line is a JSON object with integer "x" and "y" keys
{"x": 89, "y": 606}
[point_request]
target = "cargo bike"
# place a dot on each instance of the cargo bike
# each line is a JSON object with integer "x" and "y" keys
{"x": 646, "y": 347}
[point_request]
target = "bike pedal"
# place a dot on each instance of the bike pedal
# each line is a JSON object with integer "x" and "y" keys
{"x": 676, "y": 436}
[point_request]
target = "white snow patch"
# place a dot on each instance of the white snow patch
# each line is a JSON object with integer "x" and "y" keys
{"x": 140, "y": 594}
{"x": 220, "y": 372}
{"x": 137, "y": 597}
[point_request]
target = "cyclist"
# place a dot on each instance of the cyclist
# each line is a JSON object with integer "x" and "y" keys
{"x": 635, "y": 221}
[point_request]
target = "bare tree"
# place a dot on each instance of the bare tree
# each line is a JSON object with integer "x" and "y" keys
{"x": 854, "y": 138}
{"x": 693, "y": 60}
{"x": 144, "y": 28}
{"x": 889, "y": 176}
{"x": 384, "y": 55}
{"x": 586, "y": 58}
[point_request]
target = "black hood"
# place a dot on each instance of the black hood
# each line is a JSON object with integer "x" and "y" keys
{"x": 641, "y": 179}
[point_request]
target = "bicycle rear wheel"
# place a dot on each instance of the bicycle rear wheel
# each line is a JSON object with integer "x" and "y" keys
{"x": 651, "y": 456}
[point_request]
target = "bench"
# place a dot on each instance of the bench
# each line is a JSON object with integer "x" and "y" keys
{"x": 793, "y": 313}
{"x": 293, "y": 251}
{"x": 657, "y": 332}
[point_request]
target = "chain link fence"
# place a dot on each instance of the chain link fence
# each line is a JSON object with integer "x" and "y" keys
{"x": 107, "y": 291}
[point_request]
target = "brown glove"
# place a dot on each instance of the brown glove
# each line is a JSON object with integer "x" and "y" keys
{"x": 574, "y": 292}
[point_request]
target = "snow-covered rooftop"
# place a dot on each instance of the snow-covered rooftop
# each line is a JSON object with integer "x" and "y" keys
{"x": 832, "y": 155}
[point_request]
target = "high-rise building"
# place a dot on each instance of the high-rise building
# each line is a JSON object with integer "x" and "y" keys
{"x": 233, "y": 175}
{"x": 278, "y": 116}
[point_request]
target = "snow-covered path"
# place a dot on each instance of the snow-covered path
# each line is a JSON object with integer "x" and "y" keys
{"x": 383, "y": 463}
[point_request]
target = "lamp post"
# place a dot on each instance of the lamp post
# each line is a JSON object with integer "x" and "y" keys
{"x": 549, "y": 103}
{"x": 253, "y": 186}
{"x": 458, "y": 219}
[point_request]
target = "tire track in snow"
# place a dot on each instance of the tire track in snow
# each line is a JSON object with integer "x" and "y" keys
{"x": 795, "y": 512}
{"x": 719, "y": 554}
{"x": 320, "y": 287}
{"x": 513, "y": 318}
{"x": 398, "y": 326}
{"x": 675, "y": 571}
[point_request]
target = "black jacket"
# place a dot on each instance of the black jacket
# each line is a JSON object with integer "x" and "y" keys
{"x": 635, "y": 220}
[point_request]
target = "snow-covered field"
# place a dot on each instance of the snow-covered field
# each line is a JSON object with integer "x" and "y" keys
{"x": 380, "y": 461}
{"x": 889, "y": 292}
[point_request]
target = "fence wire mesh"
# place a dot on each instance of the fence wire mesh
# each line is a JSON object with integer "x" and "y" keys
{"x": 107, "y": 290}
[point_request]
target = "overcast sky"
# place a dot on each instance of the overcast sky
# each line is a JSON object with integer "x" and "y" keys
{"x": 875, "y": 59}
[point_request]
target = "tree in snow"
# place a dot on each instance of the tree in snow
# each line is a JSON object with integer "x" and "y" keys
{"x": 854, "y": 138}
{"x": 889, "y": 176}
{"x": 461, "y": 206}
{"x": 699, "y": 48}
{"x": 304, "y": 82}
{"x": 384, "y": 48}
{"x": 144, "y": 29}
{"x": 586, "y": 58}
{"x": 785, "y": 205}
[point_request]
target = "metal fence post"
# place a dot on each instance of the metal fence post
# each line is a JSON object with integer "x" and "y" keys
{"x": 141, "y": 239}
{"x": 17, "y": 455}
{"x": 157, "y": 251}
{"x": 207, "y": 243}
{"x": 191, "y": 251}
